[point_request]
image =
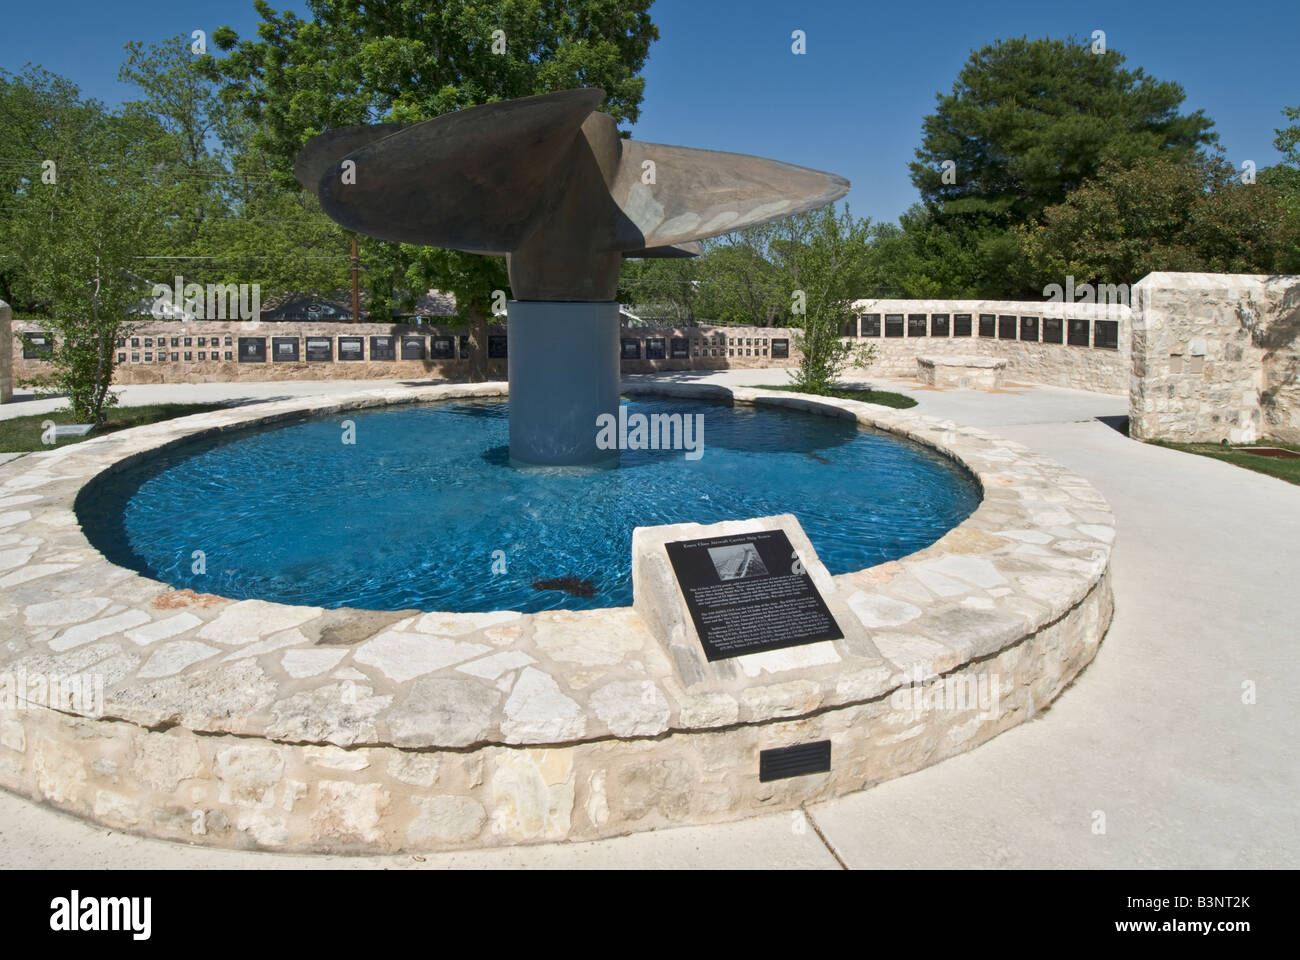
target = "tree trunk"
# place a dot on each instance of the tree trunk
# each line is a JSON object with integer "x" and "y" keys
{"x": 478, "y": 340}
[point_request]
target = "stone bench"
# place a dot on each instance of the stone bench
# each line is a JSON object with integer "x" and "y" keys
{"x": 963, "y": 373}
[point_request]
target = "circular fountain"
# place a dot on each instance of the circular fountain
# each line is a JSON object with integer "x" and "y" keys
{"x": 282, "y": 639}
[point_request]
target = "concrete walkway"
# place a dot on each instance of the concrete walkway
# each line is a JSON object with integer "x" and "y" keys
{"x": 1153, "y": 742}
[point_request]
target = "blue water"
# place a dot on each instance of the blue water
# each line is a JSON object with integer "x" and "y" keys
{"x": 424, "y": 510}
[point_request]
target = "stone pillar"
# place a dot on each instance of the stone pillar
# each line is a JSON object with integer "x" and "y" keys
{"x": 1207, "y": 351}
{"x": 564, "y": 373}
{"x": 6, "y": 354}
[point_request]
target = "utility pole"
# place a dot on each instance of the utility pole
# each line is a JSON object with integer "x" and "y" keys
{"x": 356, "y": 290}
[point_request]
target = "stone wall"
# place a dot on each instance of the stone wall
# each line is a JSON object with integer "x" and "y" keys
{"x": 1215, "y": 357}
{"x": 1093, "y": 351}
{"x": 643, "y": 349}
{"x": 209, "y": 352}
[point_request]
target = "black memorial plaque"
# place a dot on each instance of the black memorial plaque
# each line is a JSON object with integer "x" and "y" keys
{"x": 1006, "y": 327}
{"x": 412, "y": 347}
{"x": 320, "y": 349}
{"x": 988, "y": 325}
{"x": 961, "y": 324}
{"x": 252, "y": 349}
{"x": 442, "y": 348}
{"x": 747, "y": 593}
{"x": 893, "y": 324}
{"x": 654, "y": 348}
{"x": 850, "y": 327}
{"x": 680, "y": 349}
{"x": 780, "y": 349}
{"x": 938, "y": 324}
{"x": 631, "y": 348}
{"x": 1105, "y": 333}
{"x": 1052, "y": 330}
{"x": 1079, "y": 333}
{"x": 916, "y": 325}
{"x": 38, "y": 346}
{"x": 871, "y": 324}
{"x": 497, "y": 346}
{"x": 1028, "y": 328}
{"x": 284, "y": 349}
{"x": 382, "y": 348}
{"x": 352, "y": 348}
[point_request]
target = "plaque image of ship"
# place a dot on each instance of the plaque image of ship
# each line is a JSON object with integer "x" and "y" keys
{"x": 737, "y": 561}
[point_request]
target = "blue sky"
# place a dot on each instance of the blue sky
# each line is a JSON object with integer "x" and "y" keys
{"x": 722, "y": 75}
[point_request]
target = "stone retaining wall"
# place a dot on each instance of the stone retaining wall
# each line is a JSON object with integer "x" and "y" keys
{"x": 1093, "y": 352}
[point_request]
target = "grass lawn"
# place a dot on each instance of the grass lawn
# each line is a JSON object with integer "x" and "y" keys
{"x": 20, "y": 434}
{"x": 1288, "y": 470}
{"x": 884, "y": 398}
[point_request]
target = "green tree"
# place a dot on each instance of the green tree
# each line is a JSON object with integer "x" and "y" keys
{"x": 1028, "y": 121}
{"x": 804, "y": 271}
{"x": 1288, "y": 138}
{"x": 76, "y": 226}
{"x": 410, "y": 60}
{"x": 1165, "y": 213}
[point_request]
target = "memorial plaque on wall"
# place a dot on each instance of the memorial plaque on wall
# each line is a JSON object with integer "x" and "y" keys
{"x": 352, "y": 348}
{"x": 497, "y": 346}
{"x": 412, "y": 347}
{"x": 1052, "y": 330}
{"x": 631, "y": 348}
{"x": 849, "y": 327}
{"x": 871, "y": 324}
{"x": 681, "y": 349}
{"x": 916, "y": 325}
{"x": 1105, "y": 334}
{"x": 442, "y": 348}
{"x": 780, "y": 349}
{"x": 1006, "y": 327}
{"x": 746, "y": 593}
{"x": 1028, "y": 328}
{"x": 284, "y": 349}
{"x": 38, "y": 346}
{"x": 655, "y": 348}
{"x": 938, "y": 324}
{"x": 252, "y": 349}
{"x": 1079, "y": 333}
{"x": 961, "y": 324}
{"x": 988, "y": 325}
{"x": 893, "y": 324}
{"x": 320, "y": 349}
{"x": 382, "y": 348}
